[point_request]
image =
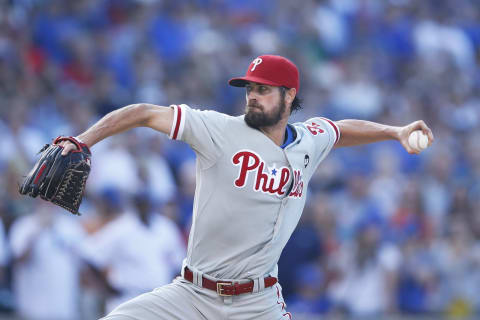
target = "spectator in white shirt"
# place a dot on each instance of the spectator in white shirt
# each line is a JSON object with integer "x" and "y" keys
{"x": 45, "y": 267}
{"x": 137, "y": 251}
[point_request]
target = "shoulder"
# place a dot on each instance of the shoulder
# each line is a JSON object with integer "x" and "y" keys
{"x": 191, "y": 119}
{"x": 184, "y": 109}
{"x": 319, "y": 126}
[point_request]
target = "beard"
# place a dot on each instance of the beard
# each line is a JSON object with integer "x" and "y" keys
{"x": 256, "y": 118}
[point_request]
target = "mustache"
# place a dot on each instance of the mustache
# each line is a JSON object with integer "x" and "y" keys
{"x": 254, "y": 104}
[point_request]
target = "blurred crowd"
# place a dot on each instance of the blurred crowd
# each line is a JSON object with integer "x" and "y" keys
{"x": 384, "y": 232}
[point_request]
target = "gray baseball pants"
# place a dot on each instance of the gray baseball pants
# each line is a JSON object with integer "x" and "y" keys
{"x": 182, "y": 300}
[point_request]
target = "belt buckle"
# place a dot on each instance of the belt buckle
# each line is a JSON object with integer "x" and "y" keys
{"x": 220, "y": 289}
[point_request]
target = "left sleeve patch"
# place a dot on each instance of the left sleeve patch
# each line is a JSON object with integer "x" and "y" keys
{"x": 314, "y": 128}
{"x": 335, "y": 128}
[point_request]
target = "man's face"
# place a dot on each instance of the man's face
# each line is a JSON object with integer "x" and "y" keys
{"x": 265, "y": 105}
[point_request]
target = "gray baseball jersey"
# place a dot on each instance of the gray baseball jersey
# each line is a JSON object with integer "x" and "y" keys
{"x": 250, "y": 192}
{"x": 249, "y": 197}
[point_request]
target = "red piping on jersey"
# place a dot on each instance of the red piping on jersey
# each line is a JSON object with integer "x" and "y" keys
{"x": 334, "y": 127}
{"x": 283, "y": 305}
{"x": 177, "y": 124}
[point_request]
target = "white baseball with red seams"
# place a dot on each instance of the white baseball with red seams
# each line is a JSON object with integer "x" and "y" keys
{"x": 418, "y": 140}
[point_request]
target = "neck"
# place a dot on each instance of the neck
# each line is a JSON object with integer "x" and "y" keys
{"x": 276, "y": 133}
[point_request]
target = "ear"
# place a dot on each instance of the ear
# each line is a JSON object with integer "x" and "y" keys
{"x": 290, "y": 95}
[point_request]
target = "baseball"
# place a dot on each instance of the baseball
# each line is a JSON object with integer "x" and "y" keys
{"x": 418, "y": 140}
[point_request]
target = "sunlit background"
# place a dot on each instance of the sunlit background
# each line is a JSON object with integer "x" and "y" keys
{"x": 384, "y": 233}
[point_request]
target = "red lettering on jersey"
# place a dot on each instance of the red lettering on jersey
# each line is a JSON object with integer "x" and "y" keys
{"x": 245, "y": 157}
{"x": 284, "y": 177}
{"x": 297, "y": 189}
{"x": 263, "y": 178}
{"x": 265, "y": 182}
{"x": 314, "y": 128}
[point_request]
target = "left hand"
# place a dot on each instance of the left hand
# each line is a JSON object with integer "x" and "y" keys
{"x": 404, "y": 133}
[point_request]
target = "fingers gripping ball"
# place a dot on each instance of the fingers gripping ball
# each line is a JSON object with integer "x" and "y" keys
{"x": 59, "y": 179}
{"x": 418, "y": 140}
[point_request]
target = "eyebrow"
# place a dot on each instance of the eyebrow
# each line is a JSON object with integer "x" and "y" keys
{"x": 256, "y": 84}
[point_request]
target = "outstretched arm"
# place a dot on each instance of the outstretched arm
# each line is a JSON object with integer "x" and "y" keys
{"x": 357, "y": 132}
{"x": 123, "y": 119}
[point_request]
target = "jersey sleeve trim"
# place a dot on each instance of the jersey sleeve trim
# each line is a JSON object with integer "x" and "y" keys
{"x": 178, "y": 122}
{"x": 335, "y": 127}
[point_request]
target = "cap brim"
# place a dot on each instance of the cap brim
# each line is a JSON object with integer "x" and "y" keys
{"x": 242, "y": 81}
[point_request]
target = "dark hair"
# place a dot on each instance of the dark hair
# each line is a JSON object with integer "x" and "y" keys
{"x": 296, "y": 103}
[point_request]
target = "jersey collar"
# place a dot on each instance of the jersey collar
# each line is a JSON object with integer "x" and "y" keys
{"x": 290, "y": 135}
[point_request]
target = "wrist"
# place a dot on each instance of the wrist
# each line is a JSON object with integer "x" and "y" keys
{"x": 394, "y": 133}
{"x": 79, "y": 139}
{"x": 82, "y": 139}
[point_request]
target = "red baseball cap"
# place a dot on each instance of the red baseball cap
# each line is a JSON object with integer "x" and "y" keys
{"x": 272, "y": 70}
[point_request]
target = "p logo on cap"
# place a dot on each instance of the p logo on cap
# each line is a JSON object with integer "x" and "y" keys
{"x": 255, "y": 63}
{"x": 274, "y": 70}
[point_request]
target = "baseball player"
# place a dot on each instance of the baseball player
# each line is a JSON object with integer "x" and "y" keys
{"x": 252, "y": 174}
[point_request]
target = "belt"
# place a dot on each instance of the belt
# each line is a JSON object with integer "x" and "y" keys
{"x": 228, "y": 288}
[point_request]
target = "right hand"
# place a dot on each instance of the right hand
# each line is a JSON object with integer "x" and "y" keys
{"x": 404, "y": 133}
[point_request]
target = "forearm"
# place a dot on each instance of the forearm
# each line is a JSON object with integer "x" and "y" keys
{"x": 123, "y": 119}
{"x": 357, "y": 132}
{"x": 114, "y": 122}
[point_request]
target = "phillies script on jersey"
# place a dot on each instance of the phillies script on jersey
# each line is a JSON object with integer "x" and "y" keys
{"x": 273, "y": 181}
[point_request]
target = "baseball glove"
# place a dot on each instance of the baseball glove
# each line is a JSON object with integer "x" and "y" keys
{"x": 59, "y": 179}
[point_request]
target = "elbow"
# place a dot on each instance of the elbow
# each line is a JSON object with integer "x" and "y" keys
{"x": 149, "y": 115}
{"x": 142, "y": 112}
{"x": 138, "y": 108}
{"x": 134, "y": 115}
{"x": 152, "y": 116}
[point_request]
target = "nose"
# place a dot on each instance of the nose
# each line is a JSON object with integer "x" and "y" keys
{"x": 251, "y": 96}
{"x": 251, "y": 93}
{"x": 252, "y": 101}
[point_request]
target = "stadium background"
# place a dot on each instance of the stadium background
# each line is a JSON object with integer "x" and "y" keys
{"x": 384, "y": 233}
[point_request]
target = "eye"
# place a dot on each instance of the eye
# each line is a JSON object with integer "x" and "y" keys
{"x": 262, "y": 89}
